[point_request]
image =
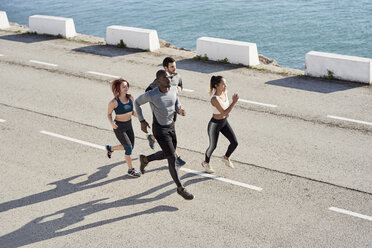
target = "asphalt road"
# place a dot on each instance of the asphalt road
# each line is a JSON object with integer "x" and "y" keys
{"x": 303, "y": 174}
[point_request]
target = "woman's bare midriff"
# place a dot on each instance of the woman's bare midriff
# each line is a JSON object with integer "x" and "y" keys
{"x": 124, "y": 117}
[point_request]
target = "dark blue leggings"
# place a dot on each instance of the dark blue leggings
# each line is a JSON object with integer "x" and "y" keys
{"x": 214, "y": 128}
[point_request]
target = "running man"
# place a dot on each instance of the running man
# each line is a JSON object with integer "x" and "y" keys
{"x": 164, "y": 103}
{"x": 169, "y": 65}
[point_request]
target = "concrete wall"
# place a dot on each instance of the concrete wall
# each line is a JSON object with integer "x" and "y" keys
{"x": 4, "y": 20}
{"x": 146, "y": 39}
{"x": 342, "y": 67}
{"x": 236, "y": 52}
{"x": 52, "y": 25}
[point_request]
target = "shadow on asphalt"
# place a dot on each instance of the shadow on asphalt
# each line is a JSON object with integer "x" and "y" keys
{"x": 318, "y": 85}
{"x": 50, "y": 226}
{"x": 29, "y": 38}
{"x": 108, "y": 50}
{"x": 205, "y": 67}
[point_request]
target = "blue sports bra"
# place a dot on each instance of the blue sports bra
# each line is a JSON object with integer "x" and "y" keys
{"x": 124, "y": 108}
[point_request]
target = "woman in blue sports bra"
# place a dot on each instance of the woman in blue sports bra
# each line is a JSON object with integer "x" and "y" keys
{"x": 122, "y": 104}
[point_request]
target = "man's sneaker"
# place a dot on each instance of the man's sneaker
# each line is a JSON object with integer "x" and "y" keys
{"x": 142, "y": 163}
{"x": 186, "y": 195}
{"x": 180, "y": 161}
{"x": 207, "y": 166}
{"x": 227, "y": 162}
{"x": 108, "y": 149}
{"x": 133, "y": 173}
{"x": 151, "y": 141}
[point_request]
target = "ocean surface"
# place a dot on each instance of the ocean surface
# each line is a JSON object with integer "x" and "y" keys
{"x": 283, "y": 30}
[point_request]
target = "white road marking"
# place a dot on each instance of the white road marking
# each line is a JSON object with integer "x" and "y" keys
{"x": 1, "y": 120}
{"x": 184, "y": 169}
{"x": 1, "y": 55}
{"x": 42, "y": 63}
{"x": 347, "y": 119}
{"x": 258, "y": 103}
{"x": 73, "y": 140}
{"x": 187, "y": 90}
{"x": 343, "y": 211}
{"x": 103, "y": 74}
{"x": 222, "y": 179}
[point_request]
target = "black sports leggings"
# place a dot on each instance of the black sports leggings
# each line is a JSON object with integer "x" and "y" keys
{"x": 167, "y": 140}
{"x": 214, "y": 128}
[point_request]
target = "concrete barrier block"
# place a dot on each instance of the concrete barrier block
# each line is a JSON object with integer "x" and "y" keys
{"x": 350, "y": 68}
{"x": 52, "y": 25}
{"x": 237, "y": 52}
{"x": 146, "y": 39}
{"x": 4, "y": 20}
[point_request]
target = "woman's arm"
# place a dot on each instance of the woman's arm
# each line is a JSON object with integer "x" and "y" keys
{"x": 111, "y": 106}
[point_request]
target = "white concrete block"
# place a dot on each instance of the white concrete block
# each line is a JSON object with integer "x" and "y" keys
{"x": 237, "y": 52}
{"x": 146, "y": 39}
{"x": 342, "y": 67}
{"x": 52, "y": 25}
{"x": 4, "y": 20}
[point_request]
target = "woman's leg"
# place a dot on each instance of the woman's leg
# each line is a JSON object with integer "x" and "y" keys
{"x": 213, "y": 133}
{"x": 230, "y": 135}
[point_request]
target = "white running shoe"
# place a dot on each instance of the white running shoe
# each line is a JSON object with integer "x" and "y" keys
{"x": 207, "y": 166}
{"x": 227, "y": 162}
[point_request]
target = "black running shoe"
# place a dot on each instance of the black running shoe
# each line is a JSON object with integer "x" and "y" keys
{"x": 108, "y": 149}
{"x": 186, "y": 195}
{"x": 133, "y": 173}
{"x": 143, "y": 164}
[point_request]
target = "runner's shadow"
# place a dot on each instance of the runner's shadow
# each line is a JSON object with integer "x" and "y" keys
{"x": 107, "y": 50}
{"x": 318, "y": 85}
{"x": 55, "y": 225}
{"x": 65, "y": 187}
{"x": 28, "y": 38}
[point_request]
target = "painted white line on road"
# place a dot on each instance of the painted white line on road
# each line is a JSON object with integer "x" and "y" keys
{"x": 1, "y": 120}
{"x": 347, "y": 119}
{"x": 222, "y": 179}
{"x": 73, "y": 140}
{"x": 187, "y": 90}
{"x": 343, "y": 211}
{"x": 42, "y": 63}
{"x": 103, "y": 74}
{"x": 1, "y": 55}
{"x": 258, "y": 103}
{"x": 184, "y": 169}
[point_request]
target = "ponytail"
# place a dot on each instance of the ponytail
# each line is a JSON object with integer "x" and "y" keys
{"x": 215, "y": 81}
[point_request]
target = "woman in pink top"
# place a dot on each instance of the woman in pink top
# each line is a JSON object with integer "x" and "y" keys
{"x": 218, "y": 123}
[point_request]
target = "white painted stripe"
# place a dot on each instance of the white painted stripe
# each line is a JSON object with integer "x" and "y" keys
{"x": 1, "y": 55}
{"x": 42, "y": 63}
{"x": 258, "y": 103}
{"x": 351, "y": 120}
{"x": 184, "y": 169}
{"x": 1, "y": 120}
{"x": 103, "y": 74}
{"x": 187, "y": 90}
{"x": 222, "y": 179}
{"x": 73, "y": 140}
{"x": 343, "y": 211}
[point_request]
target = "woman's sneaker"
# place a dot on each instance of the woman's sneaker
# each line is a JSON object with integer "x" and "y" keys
{"x": 186, "y": 195}
{"x": 227, "y": 162}
{"x": 207, "y": 166}
{"x": 151, "y": 141}
{"x": 108, "y": 149}
{"x": 133, "y": 173}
